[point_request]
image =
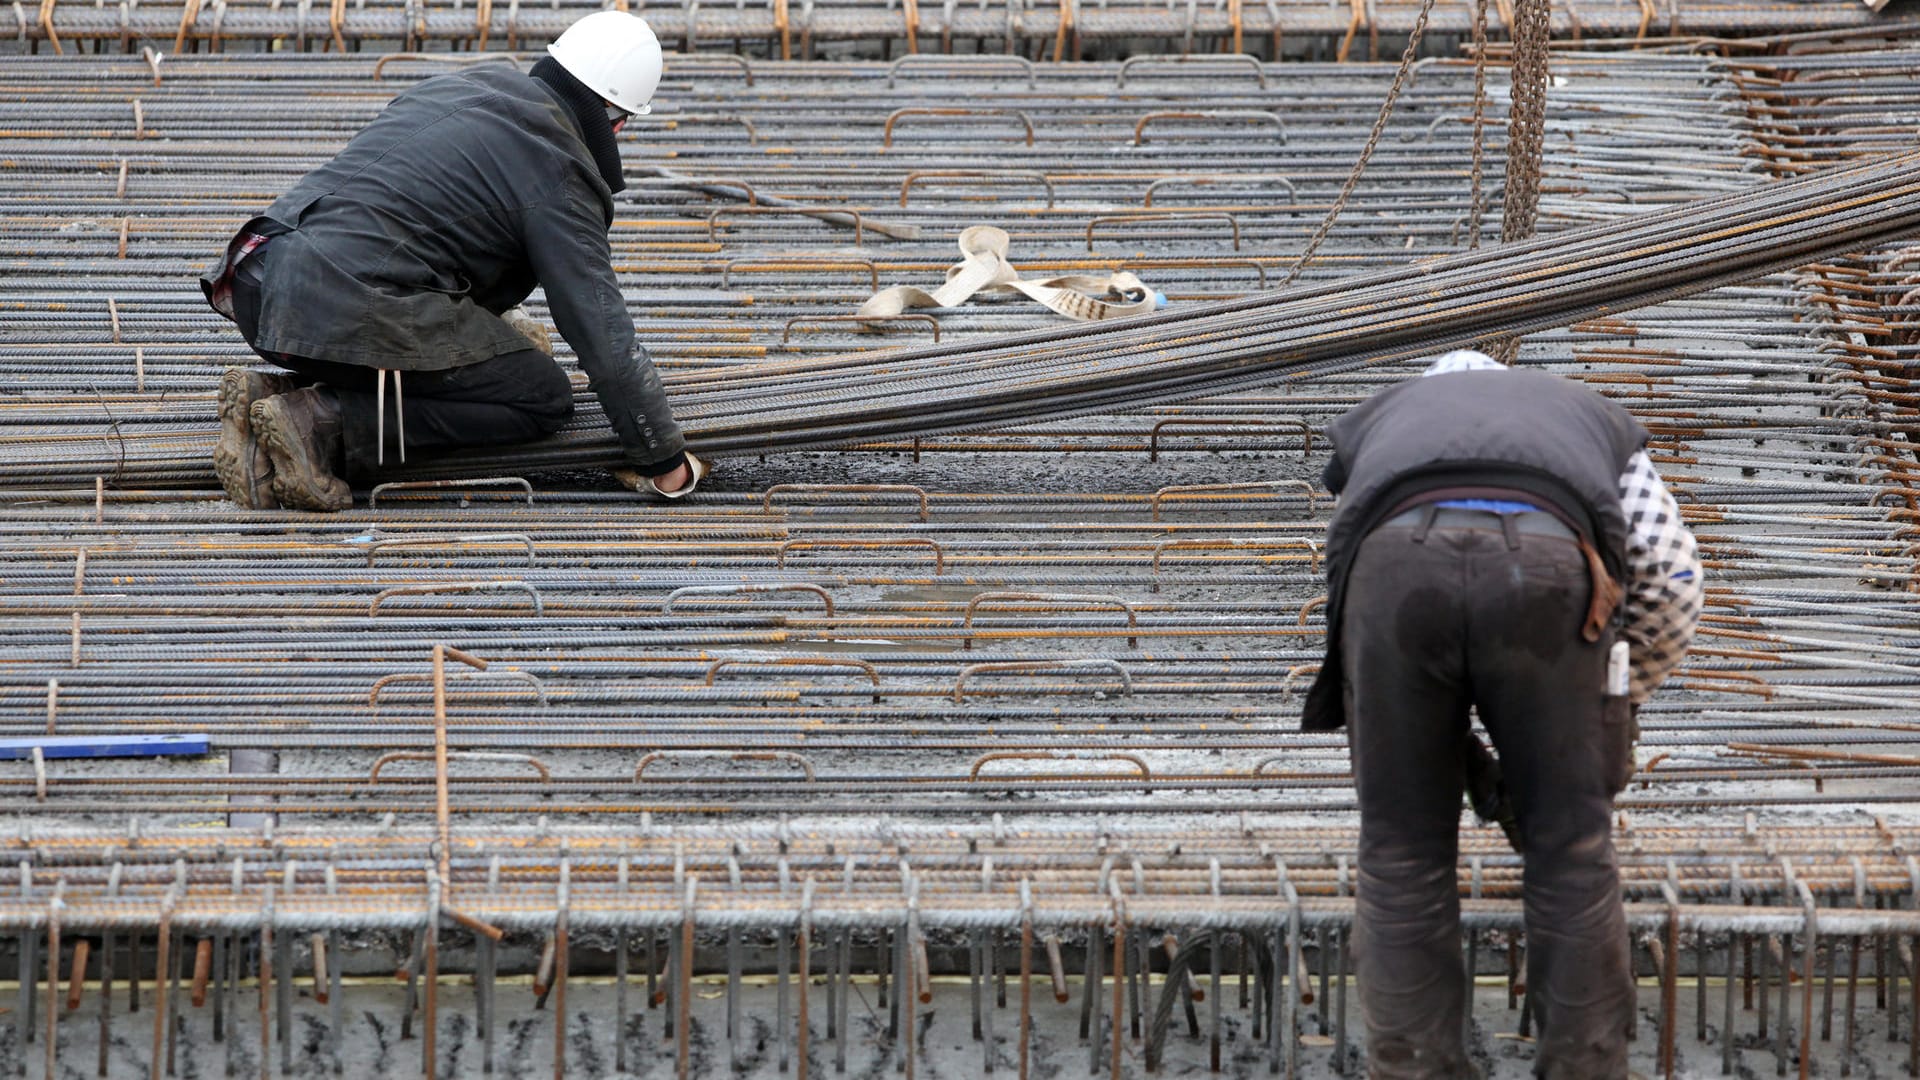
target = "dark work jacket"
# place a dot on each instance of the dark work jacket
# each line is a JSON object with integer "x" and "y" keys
{"x": 465, "y": 192}
{"x": 1542, "y": 437}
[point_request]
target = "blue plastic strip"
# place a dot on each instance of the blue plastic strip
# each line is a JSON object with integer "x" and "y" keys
{"x": 103, "y": 746}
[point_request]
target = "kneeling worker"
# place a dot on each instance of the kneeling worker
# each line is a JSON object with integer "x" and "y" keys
{"x": 1498, "y": 532}
{"x": 401, "y": 255}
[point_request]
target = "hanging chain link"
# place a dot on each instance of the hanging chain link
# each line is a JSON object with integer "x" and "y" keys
{"x": 1526, "y": 132}
{"x": 1476, "y": 207}
{"x": 1373, "y": 140}
{"x": 1526, "y": 126}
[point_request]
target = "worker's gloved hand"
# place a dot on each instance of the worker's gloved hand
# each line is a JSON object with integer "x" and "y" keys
{"x": 1487, "y": 792}
{"x": 696, "y": 471}
{"x": 531, "y": 328}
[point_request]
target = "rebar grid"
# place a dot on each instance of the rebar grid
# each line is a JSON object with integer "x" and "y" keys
{"x": 136, "y": 443}
{"x": 1015, "y": 30}
{"x": 1094, "y": 754}
{"x": 1275, "y": 900}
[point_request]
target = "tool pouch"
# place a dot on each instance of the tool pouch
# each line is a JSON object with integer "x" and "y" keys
{"x": 1605, "y": 598}
{"x": 1619, "y": 730}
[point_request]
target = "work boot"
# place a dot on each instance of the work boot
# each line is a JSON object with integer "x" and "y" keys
{"x": 244, "y": 468}
{"x": 530, "y": 328}
{"x": 301, "y": 431}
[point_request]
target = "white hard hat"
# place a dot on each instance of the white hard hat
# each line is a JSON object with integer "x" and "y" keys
{"x": 1463, "y": 360}
{"x": 613, "y": 54}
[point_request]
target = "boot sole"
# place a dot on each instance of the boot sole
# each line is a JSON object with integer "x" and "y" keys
{"x": 268, "y": 424}
{"x": 244, "y": 470}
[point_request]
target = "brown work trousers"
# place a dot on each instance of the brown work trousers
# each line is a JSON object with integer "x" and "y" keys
{"x": 1435, "y": 621}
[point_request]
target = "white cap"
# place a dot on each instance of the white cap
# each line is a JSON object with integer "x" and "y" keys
{"x": 1462, "y": 360}
{"x": 614, "y": 54}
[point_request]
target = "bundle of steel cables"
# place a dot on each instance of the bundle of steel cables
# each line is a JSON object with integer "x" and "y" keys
{"x": 1272, "y": 337}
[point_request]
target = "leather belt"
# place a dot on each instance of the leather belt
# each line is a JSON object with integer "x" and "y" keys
{"x": 1604, "y": 601}
{"x": 1529, "y": 523}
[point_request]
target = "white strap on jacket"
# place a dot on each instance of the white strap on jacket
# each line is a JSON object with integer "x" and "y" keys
{"x": 380, "y": 415}
{"x": 984, "y": 271}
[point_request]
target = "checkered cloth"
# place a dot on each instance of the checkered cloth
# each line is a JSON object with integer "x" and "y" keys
{"x": 1664, "y": 588}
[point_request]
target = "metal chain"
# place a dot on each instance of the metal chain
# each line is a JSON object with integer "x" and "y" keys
{"x": 1373, "y": 140}
{"x": 1526, "y": 132}
{"x": 1477, "y": 204}
{"x": 1526, "y": 124}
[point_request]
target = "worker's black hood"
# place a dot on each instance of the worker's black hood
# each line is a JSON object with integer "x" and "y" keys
{"x": 590, "y": 112}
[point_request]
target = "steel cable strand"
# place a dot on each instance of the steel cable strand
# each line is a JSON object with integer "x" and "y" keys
{"x": 1436, "y": 278}
{"x": 1699, "y": 269}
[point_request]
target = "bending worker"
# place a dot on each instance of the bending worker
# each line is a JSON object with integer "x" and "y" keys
{"x": 380, "y": 280}
{"x": 1498, "y": 531}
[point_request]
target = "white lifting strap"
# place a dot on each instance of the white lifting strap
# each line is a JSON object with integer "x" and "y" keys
{"x": 984, "y": 271}
{"x": 380, "y": 414}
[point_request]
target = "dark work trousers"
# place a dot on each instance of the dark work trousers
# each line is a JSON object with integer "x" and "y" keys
{"x": 513, "y": 398}
{"x": 1435, "y": 621}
